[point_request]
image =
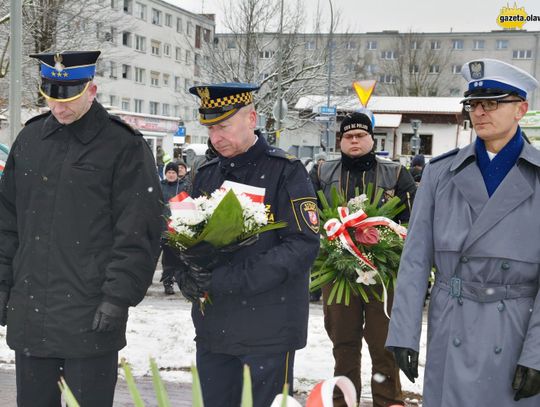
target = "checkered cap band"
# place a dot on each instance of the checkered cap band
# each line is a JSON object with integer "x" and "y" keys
{"x": 232, "y": 100}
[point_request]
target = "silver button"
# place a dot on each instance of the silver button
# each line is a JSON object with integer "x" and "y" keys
{"x": 500, "y": 306}
{"x": 505, "y": 265}
{"x": 497, "y": 350}
{"x": 456, "y": 342}
{"x": 232, "y": 164}
{"x": 464, "y": 259}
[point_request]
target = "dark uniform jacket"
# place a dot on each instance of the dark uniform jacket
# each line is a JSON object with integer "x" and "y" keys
{"x": 260, "y": 297}
{"x": 80, "y": 222}
{"x": 392, "y": 177}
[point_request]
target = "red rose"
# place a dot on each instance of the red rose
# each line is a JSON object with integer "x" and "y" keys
{"x": 367, "y": 236}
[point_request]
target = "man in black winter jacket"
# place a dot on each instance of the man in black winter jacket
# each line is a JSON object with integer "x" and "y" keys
{"x": 80, "y": 226}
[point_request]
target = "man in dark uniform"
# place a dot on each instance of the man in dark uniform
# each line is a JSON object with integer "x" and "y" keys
{"x": 260, "y": 299}
{"x": 80, "y": 224}
{"x": 347, "y": 325}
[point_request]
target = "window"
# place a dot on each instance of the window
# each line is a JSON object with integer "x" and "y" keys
{"x": 177, "y": 110}
{"x": 178, "y": 54}
{"x": 112, "y": 70}
{"x": 189, "y": 29}
{"x": 388, "y": 55}
{"x": 456, "y": 69}
{"x": 167, "y": 50}
{"x": 154, "y": 78}
{"x": 414, "y": 69}
{"x": 165, "y": 109}
{"x": 415, "y": 44}
{"x": 370, "y": 68}
{"x": 266, "y": 54}
{"x": 125, "y": 104}
{"x": 168, "y": 20}
{"x": 100, "y": 68}
{"x": 371, "y": 45}
{"x": 166, "y": 77}
{"x": 177, "y": 84}
{"x": 350, "y": 45}
{"x": 435, "y": 44}
{"x": 156, "y": 47}
{"x": 207, "y": 34}
{"x": 455, "y": 92}
{"x": 434, "y": 69}
{"x": 126, "y": 38}
{"x": 188, "y": 57}
{"x": 156, "y": 17}
{"x": 198, "y": 36}
{"x": 128, "y": 4}
{"x": 114, "y": 4}
{"x": 426, "y": 141}
{"x": 138, "y": 105}
{"x": 178, "y": 25}
{"x": 126, "y": 71}
{"x": 140, "y": 11}
{"x": 386, "y": 78}
{"x": 457, "y": 44}
{"x": 111, "y": 35}
{"x": 310, "y": 45}
{"x": 522, "y": 54}
{"x": 478, "y": 44}
{"x": 140, "y": 43}
{"x": 187, "y": 84}
{"x": 501, "y": 44}
{"x": 154, "y": 108}
{"x": 112, "y": 100}
{"x": 139, "y": 75}
{"x": 231, "y": 44}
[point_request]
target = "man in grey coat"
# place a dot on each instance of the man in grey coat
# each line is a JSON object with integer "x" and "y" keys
{"x": 476, "y": 220}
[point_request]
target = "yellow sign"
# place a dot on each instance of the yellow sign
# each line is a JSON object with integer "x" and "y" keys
{"x": 364, "y": 89}
{"x": 512, "y": 18}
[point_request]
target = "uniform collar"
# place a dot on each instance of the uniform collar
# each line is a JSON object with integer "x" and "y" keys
{"x": 528, "y": 153}
{"x": 85, "y": 129}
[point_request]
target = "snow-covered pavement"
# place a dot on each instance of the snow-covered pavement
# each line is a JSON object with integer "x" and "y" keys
{"x": 161, "y": 327}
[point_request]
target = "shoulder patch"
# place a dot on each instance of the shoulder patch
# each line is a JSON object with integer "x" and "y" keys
{"x": 444, "y": 155}
{"x": 39, "y": 116}
{"x": 278, "y": 152}
{"x": 118, "y": 120}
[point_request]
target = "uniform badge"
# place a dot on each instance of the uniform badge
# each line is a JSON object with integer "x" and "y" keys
{"x": 204, "y": 94}
{"x": 310, "y": 215}
{"x": 58, "y": 63}
{"x": 476, "y": 69}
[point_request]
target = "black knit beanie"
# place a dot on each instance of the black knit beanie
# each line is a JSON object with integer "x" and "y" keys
{"x": 356, "y": 120}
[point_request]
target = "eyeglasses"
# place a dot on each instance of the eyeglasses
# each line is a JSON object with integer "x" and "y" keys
{"x": 487, "y": 105}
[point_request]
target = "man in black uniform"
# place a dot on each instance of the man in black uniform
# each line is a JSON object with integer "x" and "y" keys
{"x": 260, "y": 299}
{"x": 80, "y": 224}
{"x": 347, "y": 325}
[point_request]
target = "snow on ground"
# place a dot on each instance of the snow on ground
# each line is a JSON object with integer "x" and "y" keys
{"x": 161, "y": 327}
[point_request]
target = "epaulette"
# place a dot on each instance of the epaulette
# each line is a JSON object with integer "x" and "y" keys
{"x": 444, "y": 155}
{"x": 39, "y": 116}
{"x": 278, "y": 152}
{"x": 125, "y": 125}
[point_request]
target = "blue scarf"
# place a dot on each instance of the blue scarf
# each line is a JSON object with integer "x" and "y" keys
{"x": 494, "y": 171}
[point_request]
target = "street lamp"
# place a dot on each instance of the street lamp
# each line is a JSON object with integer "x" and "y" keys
{"x": 415, "y": 139}
{"x": 329, "y": 45}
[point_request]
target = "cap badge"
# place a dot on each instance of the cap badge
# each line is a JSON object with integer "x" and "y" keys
{"x": 476, "y": 69}
{"x": 58, "y": 63}
{"x": 204, "y": 94}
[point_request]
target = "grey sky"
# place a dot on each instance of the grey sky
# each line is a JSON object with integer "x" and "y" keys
{"x": 402, "y": 15}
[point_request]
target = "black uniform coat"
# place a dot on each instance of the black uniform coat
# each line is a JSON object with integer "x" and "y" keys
{"x": 260, "y": 298}
{"x": 80, "y": 222}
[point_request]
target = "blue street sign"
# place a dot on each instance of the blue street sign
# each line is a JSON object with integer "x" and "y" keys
{"x": 181, "y": 131}
{"x": 328, "y": 110}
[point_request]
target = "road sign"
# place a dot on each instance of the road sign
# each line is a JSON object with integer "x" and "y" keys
{"x": 328, "y": 110}
{"x": 181, "y": 131}
{"x": 276, "y": 112}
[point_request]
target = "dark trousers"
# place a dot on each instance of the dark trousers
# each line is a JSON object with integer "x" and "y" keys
{"x": 221, "y": 377}
{"x": 91, "y": 380}
{"x": 346, "y": 325}
{"x": 168, "y": 261}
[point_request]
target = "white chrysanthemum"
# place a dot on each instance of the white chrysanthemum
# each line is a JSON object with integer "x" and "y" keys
{"x": 183, "y": 229}
{"x": 189, "y": 218}
{"x": 366, "y": 277}
{"x": 357, "y": 203}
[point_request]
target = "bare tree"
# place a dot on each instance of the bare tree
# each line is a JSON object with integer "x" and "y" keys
{"x": 413, "y": 66}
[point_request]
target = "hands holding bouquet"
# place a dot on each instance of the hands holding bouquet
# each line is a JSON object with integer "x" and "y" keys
{"x": 205, "y": 231}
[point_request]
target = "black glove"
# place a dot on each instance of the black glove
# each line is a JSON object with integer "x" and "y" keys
{"x": 109, "y": 317}
{"x": 526, "y": 382}
{"x": 188, "y": 287}
{"x": 4, "y": 296}
{"x": 407, "y": 360}
{"x": 202, "y": 277}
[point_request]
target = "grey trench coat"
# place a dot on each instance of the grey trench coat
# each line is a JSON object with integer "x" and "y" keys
{"x": 479, "y": 330}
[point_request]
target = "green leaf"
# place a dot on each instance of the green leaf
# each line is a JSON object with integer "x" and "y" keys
{"x": 70, "y": 399}
{"x": 341, "y": 286}
{"x": 332, "y": 294}
{"x": 159, "y": 387}
{"x": 247, "y": 395}
{"x": 196, "y": 391}
{"x": 135, "y": 395}
{"x": 226, "y": 223}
